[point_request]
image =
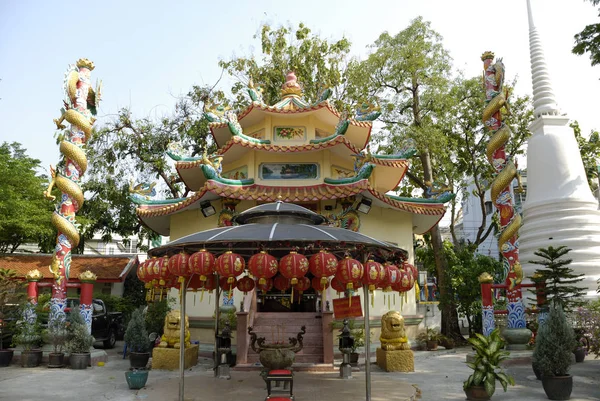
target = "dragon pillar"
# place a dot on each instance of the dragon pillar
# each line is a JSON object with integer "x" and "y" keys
{"x": 506, "y": 171}
{"x": 80, "y": 104}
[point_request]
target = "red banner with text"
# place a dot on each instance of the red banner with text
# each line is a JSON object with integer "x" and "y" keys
{"x": 347, "y": 307}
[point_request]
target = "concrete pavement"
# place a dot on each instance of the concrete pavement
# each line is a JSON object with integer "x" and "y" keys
{"x": 439, "y": 376}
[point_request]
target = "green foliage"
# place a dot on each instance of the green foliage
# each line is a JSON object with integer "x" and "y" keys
{"x": 25, "y": 213}
{"x": 560, "y": 280}
{"x": 317, "y": 62}
{"x": 228, "y": 316}
{"x": 358, "y": 333}
{"x": 588, "y": 40}
{"x": 591, "y": 326}
{"x": 136, "y": 336}
{"x": 11, "y": 296}
{"x": 464, "y": 268}
{"x": 155, "y": 316}
{"x": 430, "y": 334}
{"x": 554, "y": 343}
{"x": 486, "y": 366}
{"x": 130, "y": 301}
{"x": 590, "y": 153}
{"x": 56, "y": 334}
{"x": 78, "y": 340}
{"x": 27, "y": 334}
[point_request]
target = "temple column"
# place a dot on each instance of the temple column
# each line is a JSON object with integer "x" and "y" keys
{"x": 87, "y": 279}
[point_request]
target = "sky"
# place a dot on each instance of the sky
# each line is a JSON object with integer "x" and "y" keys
{"x": 148, "y": 53}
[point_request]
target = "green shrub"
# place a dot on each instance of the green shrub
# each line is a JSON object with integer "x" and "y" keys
{"x": 136, "y": 336}
{"x": 554, "y": 344}
{"x": 78, "y": 340}
{"x": 57, "y": 335}
{"x": 486, "y": 366}
{"x": 155, "y": 316}
{"x": 28, "y": 331}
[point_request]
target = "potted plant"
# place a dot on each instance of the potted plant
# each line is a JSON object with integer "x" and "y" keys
{"x": 136, "y": 338}
{"x": 10, "y": 296}
{"x": 481, "y": 385}
{"x": 56, "y": 335}
{"x": 553, "y": 352}
{"x": 429, "y": 338}
{"x": 28, "y": 335}
{"x": 78, "y": 341}
{"x": 446, "y": 342}
{"x": 359, "y": 341}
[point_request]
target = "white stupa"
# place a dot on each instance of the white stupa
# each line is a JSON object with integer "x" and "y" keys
{"x": 560, "y": 208}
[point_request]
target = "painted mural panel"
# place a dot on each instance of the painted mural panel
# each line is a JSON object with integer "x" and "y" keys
{"x": 291, "y": 133}
{"x": 341, "y": 172}
{"x": 289, "y": 171}
{"x": 240, "y": 173}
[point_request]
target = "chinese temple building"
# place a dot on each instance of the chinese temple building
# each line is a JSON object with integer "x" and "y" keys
{"x": 298, "y": 153}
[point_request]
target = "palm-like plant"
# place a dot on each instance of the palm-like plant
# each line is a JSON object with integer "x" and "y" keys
{"x": 486, "y": 366}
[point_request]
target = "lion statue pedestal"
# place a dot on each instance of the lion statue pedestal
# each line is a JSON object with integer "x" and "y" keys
{"x": 395, "y": 354}
{"x": 166, "y": 355}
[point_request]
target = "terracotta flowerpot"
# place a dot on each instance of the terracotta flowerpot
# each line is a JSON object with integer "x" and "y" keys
{"x": 5, "y": 357}
{"x": 138, "y": 360}
{"x": 476, "y": 393}
{"x": 558, "y": 387}
{"x": 56, "y": 359}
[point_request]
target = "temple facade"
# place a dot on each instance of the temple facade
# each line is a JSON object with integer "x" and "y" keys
{"x": 301, "y": 153}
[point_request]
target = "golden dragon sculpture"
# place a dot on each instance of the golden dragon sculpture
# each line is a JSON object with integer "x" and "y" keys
{"x": 80, "y": 104}
{"x": 506, "y": 172}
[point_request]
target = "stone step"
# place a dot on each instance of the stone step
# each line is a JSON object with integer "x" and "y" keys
{"x": 297, "y": 367}
{"x": 288, "y": 322}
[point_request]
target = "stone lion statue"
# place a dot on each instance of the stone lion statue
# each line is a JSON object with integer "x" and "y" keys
{"x": 393, "y": 335}
{"x": 170, "y": 338}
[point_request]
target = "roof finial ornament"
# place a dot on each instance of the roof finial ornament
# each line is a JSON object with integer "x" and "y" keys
{"x": 291, "y": 87}
{"x": 544, "y": 101}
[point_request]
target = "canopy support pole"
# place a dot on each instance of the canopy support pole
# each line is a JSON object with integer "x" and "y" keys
{"x": 217, "y": 301}
{"x": 182, "y": 340}
{"x": 367, "y": 344}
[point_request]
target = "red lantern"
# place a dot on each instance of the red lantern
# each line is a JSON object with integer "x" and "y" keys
{"x": 230, "y": 265}
{"x": 281, "y": 283}
{"x": 179, "y": 266}
{"x": 337, "y": 285}
{"x": 163, "y": 270}
{"x": 263, "y": 266}
{"x": 323, "y": 265}
{"x": 374, "y": 273}
{"x": 245, "y": 284}
{"x": 293, "y": 266}
{"x": 317, "y": 284}
{"x": 392, "y": 276}
{"x": 266, "y": 286}
{"x": 303, "y": 284}
{"x": 349, "y": 271}
{"x": 226, "y": 285}
{"x": 149, "y": 265}
{"x": 141, "y": 271}
{"x": 202, "y": 263}
{"x": 414, "y": 271}
{"x": 210, "y": 283}
{"x": 194, "y": 283}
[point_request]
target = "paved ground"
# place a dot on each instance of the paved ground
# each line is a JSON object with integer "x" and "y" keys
{"x": 439, "y": 376}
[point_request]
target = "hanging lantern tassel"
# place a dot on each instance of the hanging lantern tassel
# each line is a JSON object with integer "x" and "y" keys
{"x": 202, "y": 294}
{"x": 293, "y": 282}
{"x": 417, "y": 291}
{"x": 349, "y": 287}
{"x": 426, "y": 292}
{"x": 324, "y": 292}
{"x": 394, "y": 299}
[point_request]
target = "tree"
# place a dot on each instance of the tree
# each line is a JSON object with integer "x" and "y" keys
{"x": 25, "y": 213}
{"x": 11, "y": 295}
{"x": 560, "y": 289}
{"x": 317, "y": 63}
{"x": 410, "y": 75}
{"x": 469, "y": 139}
{"x": 464, "y": 268}
{"x": 590, "y": 153}
{"x": 588, "y": 40}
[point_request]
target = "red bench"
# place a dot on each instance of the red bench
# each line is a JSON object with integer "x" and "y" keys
{"x": 280, "y": 375}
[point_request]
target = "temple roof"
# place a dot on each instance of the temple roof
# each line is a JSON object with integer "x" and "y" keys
{"x": 390, "y": 169}
{"x": 156, "y": 214}
{"x": 358, "y": 132}
{"x": 108, "y": 268}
